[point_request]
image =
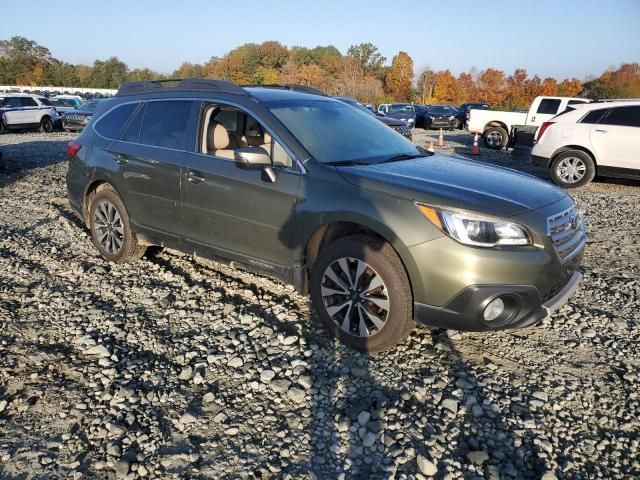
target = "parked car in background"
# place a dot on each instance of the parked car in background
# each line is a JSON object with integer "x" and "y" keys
{"x": 304, "y": 188}
{"x": 440, "y": 116}
{"x": 463, "y": 112}
{"x": 20, "y": 111}
{"x": 76, "y": 119}
{"x": 584, "y": 141}
{"x": 496, "y": 126}
{"x": 65, "y": 103}
{"x": 398, "y": 125}
{"x": 400, "y": 111}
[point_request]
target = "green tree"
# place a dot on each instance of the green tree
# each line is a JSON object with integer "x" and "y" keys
{"x": 19, "y": 57}
{"x": 368, "y": 56}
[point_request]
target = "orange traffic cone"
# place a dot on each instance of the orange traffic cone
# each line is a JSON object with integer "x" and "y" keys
{"x": 475, "y": 150}
{"x": 430, "y": 148}
{"x": 441, "y": 139}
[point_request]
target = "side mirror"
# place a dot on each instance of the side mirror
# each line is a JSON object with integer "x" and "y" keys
{"x": 381, "y": 113}
{"x": 256, "y": 158}
{"x": 252, "y": 158}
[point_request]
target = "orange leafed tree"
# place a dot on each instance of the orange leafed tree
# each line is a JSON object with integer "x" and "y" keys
{"x": 398, "y": 80}
{"x": 570, "y": 88}
{"x": 491, "y": 86}
{"x": 446, "y": 88}
{"x": 549, "y": 87}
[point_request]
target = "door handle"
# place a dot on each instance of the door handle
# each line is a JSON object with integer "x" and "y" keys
{"x": 600, "y": 130}
{"x": 193, "y": 177}
{"x": 121, "y": 158}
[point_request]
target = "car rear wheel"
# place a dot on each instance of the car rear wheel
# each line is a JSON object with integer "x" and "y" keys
{"x": 495, "y": 138}
{"x": 362, "y": 294}
{"x": 110, "y": 229}
{"x": 3, "y": 128}
{"x": 46, "y": 125}
{"x": 572, "y": 169}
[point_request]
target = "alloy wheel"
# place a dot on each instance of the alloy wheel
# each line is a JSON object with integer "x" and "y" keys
{"x": 355, "y": 297}
{"x": 108, "y": 227}
{"x": 571, "y": 169}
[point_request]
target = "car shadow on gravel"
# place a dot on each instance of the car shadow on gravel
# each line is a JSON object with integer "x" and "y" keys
{"x": 18, "y": 158}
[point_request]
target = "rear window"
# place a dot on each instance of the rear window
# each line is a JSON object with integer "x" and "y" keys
{"x": 165, "y": 124}
{"x": 549, "y": 106}
{"x": 623, "y": 116}
{"x": 594, "y": 116}
{"x": 110, "y": 125}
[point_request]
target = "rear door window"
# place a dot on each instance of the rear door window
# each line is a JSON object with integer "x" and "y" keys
{"x": 165, "y": 124}
{"x": 623, "y": 116}
{"x": 28, "y": 102}
{"x": 549, "y": 106}
{"x": 109, "y": 126}
{"x": 12, "y": 102}
{"x": 594, "y": 116}
{"x": 132, "y": 132}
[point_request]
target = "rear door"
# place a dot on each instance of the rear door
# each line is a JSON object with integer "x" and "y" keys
{"x": 616, "y": 138}
{"x": 150, "y": 151}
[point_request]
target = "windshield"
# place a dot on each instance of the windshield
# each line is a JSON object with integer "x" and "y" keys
{"x": 88, "y": 106}
{"x": 440, "y": 110}
{"x": 401, "y": 108}
{"x": 63, "y": 102}
{"x": 334, "y": 132}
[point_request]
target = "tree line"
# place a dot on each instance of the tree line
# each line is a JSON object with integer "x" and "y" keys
{"x": 361, "y": 73}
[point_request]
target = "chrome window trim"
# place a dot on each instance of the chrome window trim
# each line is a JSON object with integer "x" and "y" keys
{"x": 301, "y": 169}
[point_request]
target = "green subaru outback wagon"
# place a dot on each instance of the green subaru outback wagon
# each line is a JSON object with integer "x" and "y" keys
{"x": 313, "y": 192}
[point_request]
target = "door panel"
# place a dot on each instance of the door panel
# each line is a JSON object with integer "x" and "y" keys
{"x": 151, "y": 179}
{"x": 616, "y": 146}
{"x": 233, "y": 209}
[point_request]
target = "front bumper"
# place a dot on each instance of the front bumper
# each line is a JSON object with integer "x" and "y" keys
{"x": 524, "y": 307}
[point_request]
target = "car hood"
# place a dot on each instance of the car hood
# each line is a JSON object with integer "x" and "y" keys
{"x": 402, "y": 116}
{"x": 392, "y": 122}
{"x": 458, "y": 183}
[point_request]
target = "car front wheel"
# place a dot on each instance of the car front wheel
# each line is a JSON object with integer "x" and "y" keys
{"x": 46, "y": 125}
{"x": 362, "y": 294}
{"x": 572, "y": 169}
{"x": 110, "y": 229}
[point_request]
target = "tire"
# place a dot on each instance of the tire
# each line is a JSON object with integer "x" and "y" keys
{"x": 46, "y": 125}
{"x": 3, "y": 128}
{"x": 495, "y": 138}
{"x": 572, "y": 169}
{"x": 111, "y": 232}
{"x": 388, "y": 319}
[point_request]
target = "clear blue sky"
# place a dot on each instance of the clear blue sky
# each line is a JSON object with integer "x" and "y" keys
{"x": 561, "y": 38}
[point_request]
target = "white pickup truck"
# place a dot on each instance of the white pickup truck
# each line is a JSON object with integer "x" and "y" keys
{"x": 496, "y": 126}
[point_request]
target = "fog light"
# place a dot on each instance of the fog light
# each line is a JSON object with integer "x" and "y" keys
{"x": 494, "y": 309}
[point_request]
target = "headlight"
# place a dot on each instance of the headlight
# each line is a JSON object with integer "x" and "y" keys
{"x": 86, "y": 119}
{"x": 474, "y": 229}
{"x": 451, "y": 117}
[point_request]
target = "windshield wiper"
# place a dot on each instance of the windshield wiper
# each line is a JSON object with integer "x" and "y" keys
{"x": 347, "y": 163}
{"x": 404, "y": 156}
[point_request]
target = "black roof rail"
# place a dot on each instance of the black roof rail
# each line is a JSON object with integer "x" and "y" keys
{"x": 605, "y": 100}
{"x": 191, "y": 84}
{"x": 290, "y": 86}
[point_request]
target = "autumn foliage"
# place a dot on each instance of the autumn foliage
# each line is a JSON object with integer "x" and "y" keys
{"x": 361, "y": 74}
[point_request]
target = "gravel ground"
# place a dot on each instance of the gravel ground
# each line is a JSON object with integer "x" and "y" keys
{"x": 174, "y": 367}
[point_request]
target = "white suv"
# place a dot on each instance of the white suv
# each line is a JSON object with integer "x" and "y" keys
{"x": 601, "y": 138}
{"x": 27, "y": 111}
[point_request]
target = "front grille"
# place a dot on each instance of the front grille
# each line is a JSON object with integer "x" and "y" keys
{"x": 567, "y": 232}
{"x": 404, "y": 131}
